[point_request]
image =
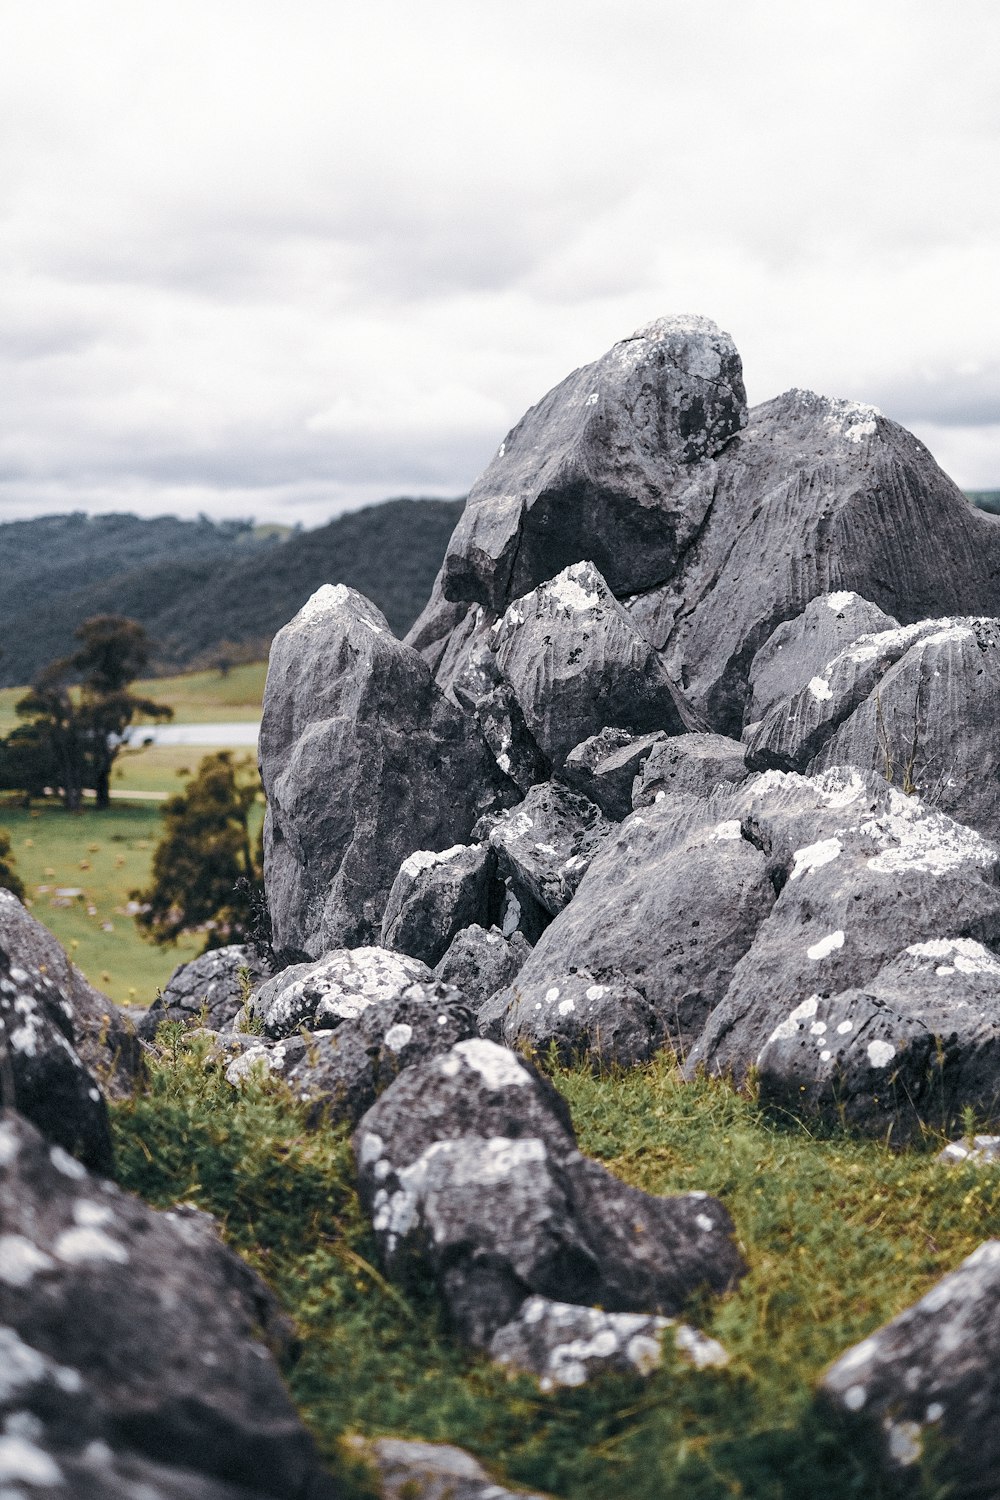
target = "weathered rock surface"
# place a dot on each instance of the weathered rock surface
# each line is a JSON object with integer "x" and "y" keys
{"x": 342, "y": 1069}
{"x": 933, "y": 1371}
{"x": 799, "y": 649}
{"x": 566, "y": 1345}
{"x": 689, "y": 766}
{"x": 469, "y": 1168}
{"x": 669, "y": 906}
{"x": 434, "y": 896}
{"x": 580, "y": 1015}
{"x": 545, "y": 845}
{"x": 863, "y": 871}
{"x": 480, "y": 962}
{"x": 216, "y": 984}
{"x": 102, "y": 1037}
{"x": 615, "y": 465}
{"x": 981, "y": 1151}
{"x": 814, "y": 496}
{"x": 604, "y": 767}
{"x": 363, "y": 762}
{"x": 576, "y": 664}
{"x": 406, "y": 1470}
{"x": 919, "y": 1044}
{"x": 131, "y": 1339}
{"x": 477, "y": 685}
{"x": 919, "y": 705}
{"x": 335, "y": 988}
{"x": 41, "y": 1074}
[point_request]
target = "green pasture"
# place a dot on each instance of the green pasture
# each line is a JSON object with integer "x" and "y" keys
{"x": 198, "y": 698}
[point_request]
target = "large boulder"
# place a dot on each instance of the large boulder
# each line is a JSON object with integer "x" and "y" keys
{"x": 363, "y": 761}
{"x": 132, "y": 1346}
{"x": 668, "y": 907}
{"x": 799, "y": 649}
{"x": 435, "y": 895}
{"x": 545, "y": 845}
{"x": 469, "y": 1168}
{"x": 814, "y": 496}
{"x": 920, "y": 705}
{"x": 863, "y": 872}
{"x": 337, "y": 987}
{"x": 606, "y": 1020}
{"x": 615, "y": 465}
{"x": 604, "y": 767}
{"x": 689, "y": 767}
{"x": 102, "y": 1036}
{"x": 212, "y": 989}
{"x": 480, "y": 961}
{"x": 932, "y": 1374}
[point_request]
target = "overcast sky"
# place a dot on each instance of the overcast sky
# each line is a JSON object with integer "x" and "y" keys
{"x": 282, "y": 260}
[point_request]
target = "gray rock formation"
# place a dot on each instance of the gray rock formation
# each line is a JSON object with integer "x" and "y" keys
{"x": 566, "y": 1345}
{"x": 480, "y": 962}
{"x": 863, "y": 872}
{"x": 576, "y": 664}
{"x": 814, "y": 496}
{"x": 799, "y": 649}
{"x": 341, "y": 1069}
{"x": 215, "y": 985}
{"x": 615, "y": 465}
{"x": 470, "y": 1170}
{"x": 336, "y": 988}
{"x": 363, "y": 762}
{"x": 406, "y": 1470}
{"x": 580, "y": 1016}
{"x": 434, "y": 896}
{"x": 131, "y": 1345}
{"x": 689, "y": 766}
{"x": 669, "y": 906}
{"x": 102, "y": 1037}
{"x": 919, "y": 1045}
{"x": 918, "y": 704}
{"x": 545, "y": 845}
{"x": 932, "y": 1373}
{"x": 604, "y": 767}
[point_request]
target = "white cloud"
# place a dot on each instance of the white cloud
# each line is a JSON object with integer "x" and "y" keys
{"x": 282, "y": 259}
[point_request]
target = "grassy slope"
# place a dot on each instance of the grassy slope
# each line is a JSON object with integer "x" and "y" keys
{"x": 839, "y": 1235}
{"x": 198, "y": 698}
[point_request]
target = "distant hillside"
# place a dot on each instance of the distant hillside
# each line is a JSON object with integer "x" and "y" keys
{"x": 986, "y": 499}
{"x": 204, "y": 589}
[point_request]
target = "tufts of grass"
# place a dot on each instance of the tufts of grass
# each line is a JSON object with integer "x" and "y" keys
{"x": 839, "y": 1235}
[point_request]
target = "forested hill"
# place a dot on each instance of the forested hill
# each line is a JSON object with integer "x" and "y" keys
{"x": 205, "y": 590}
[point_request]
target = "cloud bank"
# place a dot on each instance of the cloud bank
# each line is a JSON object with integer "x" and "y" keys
{"x": 283, "y": 261}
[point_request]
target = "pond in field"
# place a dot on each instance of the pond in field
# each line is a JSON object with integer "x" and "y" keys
{"x": 194, "y": 734}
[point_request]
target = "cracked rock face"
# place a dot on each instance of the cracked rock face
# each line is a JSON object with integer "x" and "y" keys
{"x": 932, "y": 1372}
{"x": 343, "y": 1066}
{"x": 605, "y": 766}
{"x": 918, "y": 704}
{"x": 479, "y": 961}
{"x": 863, "y": 871}
{"x": 615, "y": 465}
{"x": 545, "y": 845}
{"x": 363, "y": 761}
{"x": 815, "y": 496}
{"x": 214, "y": 983}
{"x": 130, "y": 1345}
{"x": 469, "y": 1168}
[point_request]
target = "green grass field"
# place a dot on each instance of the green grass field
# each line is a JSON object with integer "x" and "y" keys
{"x": 107, "y": 855}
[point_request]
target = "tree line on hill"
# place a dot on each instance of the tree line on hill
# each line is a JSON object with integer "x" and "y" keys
{"x": 207, "y": 593}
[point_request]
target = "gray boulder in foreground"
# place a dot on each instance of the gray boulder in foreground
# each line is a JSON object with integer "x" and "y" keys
{"x": 405, "y": 1470}
{"x": 363, "y": 761}
{"x": 566, "y": 1345}
{"x": 335, "y": 988}
{"x": 130, "y": 1342}
{"x": 799, "y": 649}
{"x": 932, "y": 1374}
{"x": 469, "y": 1168}
{"x": 217, "y": 985}
{"x": 614, "y": 465}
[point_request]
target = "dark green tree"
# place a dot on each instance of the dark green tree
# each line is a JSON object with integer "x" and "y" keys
{"x": 80, "y": 707}
{"x": 206, "y": 871}
{"x": 9, "y": 878}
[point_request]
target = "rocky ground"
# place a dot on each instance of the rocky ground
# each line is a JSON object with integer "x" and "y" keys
{"x": 693, "y": 751}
